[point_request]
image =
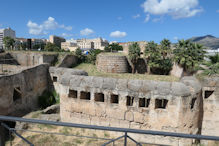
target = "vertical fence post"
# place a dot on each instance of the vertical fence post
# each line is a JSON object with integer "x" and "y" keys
{"x": 2, "y": 135}
{"x": 125, "y": 139}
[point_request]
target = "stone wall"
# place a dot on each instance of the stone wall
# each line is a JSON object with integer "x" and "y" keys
{"x": 112, "y": 63}
{"x": 34, "y": 58}
{"x": 137, "y": 104}
{"x": 210, "y": 124}
{"x": 68, "y": 61}
{"x": 6, "y": 58}
{"x": 19, "y": 92}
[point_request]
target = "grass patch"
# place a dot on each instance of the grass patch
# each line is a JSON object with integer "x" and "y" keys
{"x": 45, "y": 126}
{"x": 65, "y": 130}
{"x": 92, "y": 71}
{"x": 36, "y": 115}
{"x": 78, "y": 141}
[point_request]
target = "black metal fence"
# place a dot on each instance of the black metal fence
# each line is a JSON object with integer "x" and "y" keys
{"x": 126, "y": 131}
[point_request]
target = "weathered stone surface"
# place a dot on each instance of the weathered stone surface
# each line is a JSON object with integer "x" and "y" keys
{"x": 109, "y": 83}
{"x": 54, "y": 109}
{"x": 30, "y": 83}
{"x": 129, "y": 116}
{"x": 112, "y": 63}
{"x": 180, "y": 89}
{"x": 135, "y": 85}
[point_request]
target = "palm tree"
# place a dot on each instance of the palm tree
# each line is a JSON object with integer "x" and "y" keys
{"x": 134, "y": 55}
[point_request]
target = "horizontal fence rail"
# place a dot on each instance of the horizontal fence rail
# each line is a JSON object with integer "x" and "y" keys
{"x": 115, "y": 129}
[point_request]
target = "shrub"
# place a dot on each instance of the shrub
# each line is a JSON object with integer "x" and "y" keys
{"x": 48, "y": 98}
{"x": 92, "y": 55}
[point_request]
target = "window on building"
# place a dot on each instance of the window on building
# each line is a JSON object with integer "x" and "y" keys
{"x": 161, "y": 103}
{"x": 208, "y": 93}
{"x": 99, "y": 97}
{"x": 144, "y": 102}
{"x": 17, "y": 94}
{"x": 192, "y": 104}
{"x": 129, "y": 101}
{"x": 54, "y": 78}
{"x": 73, "y": 94}
{"x": 85, "y": 95}
{"x": 114, "y": 99}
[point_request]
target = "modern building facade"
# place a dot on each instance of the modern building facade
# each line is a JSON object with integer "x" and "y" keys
{"x": 69, "y": 46}
{"x": 96, "y": 43}
{"x": 7, "y": 32}
{"x": 56, "y": 40}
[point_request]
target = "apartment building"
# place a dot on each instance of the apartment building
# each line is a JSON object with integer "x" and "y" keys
{"x": 56, "y": 40}
{"x": 96, "y": 43}
{"x": 69, "y": 46}
{"x": 7, "y": 32}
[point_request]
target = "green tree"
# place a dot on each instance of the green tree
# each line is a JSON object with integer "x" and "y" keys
{"x": 8, "y": 42}
{"x": 113, "y": 47}
{"x": 39, "y": 46}
{"x": 158, "y": 57}
{"x": 52, "y": 47}
{"x": 92, "y": 55}
{"x": 189, "y": 55}
{"x": 213, "y": 65}
{"x": 134, "y": 55}
{"x": 79, "y": 54}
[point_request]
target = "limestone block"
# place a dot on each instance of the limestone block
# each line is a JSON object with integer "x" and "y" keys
{"x": 109, "y": 83}
{"x": 122, "y": 84}
{"x": 129, "y": 116}
{"x": 179, "y": 89}
{"x": 134, "y": 125}
{"x": 115, "y": 113}
{"x": 135, "y": 85}
{"x": 138, "y": 117}
{"x": 97, "y": 82}
{"x": 124, "y": 124}
{"x": 75, "y": 81}
{"x": 163, "y": 88}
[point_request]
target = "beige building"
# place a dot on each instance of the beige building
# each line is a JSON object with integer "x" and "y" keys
{"x": 8, "y": 32}
{"x": 96, "y": 43}
{"x": 56, "y": 40}
{"x": 69, "y": 46}
{"x": 126, "y": 45}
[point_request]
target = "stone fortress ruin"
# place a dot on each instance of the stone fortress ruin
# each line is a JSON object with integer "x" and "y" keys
{"x": 188, "y": 106}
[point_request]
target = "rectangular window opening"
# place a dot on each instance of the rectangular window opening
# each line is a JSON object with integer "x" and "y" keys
{"x": 99, "y": 97}
{"x": 129, "y": 101}
{"x": 54, "y": 78}
{"x": 144, "y": 102}
{"x": 208, "y": 93}
{"x": 192, "y": 104}
{"x": 85, "y": 95}
{"x": 17, "y": 94}
{"x": 73, "y": 94}
{"x": 114, "y": 99}
{"x": 161, "y": 103}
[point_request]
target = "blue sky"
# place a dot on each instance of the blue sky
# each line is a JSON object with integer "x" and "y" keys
{"x": 114, "y": 20}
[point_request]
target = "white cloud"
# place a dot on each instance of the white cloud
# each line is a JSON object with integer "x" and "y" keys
{"x": 175, "y": 8}
{"x": 118, "y": 34}
{"x": 49, "y": 24}
{"x": 66, "y": 35}
{"x": 136, "y": 16}
{"x": 147, "y": 18}
{"x": 35, "y": 29}
{"x": 86, "y": 32}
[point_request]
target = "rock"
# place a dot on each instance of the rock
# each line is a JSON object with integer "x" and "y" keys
{"x": 52, "y": 109}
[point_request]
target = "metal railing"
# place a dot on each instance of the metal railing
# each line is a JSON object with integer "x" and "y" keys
{"x": 4, "y": 119}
